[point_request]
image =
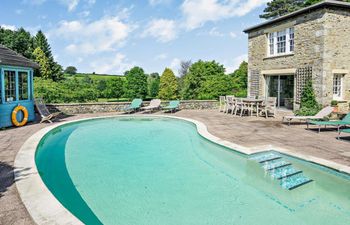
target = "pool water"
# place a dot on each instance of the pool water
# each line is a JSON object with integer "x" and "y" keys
{"x": 161, "y": 171}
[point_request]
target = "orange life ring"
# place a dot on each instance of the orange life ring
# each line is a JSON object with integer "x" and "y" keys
{"x": 14, "y": 116}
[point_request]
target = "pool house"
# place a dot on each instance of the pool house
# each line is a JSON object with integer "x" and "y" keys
{"x": 16, "y": 88}
{"x": 309, "y": 44}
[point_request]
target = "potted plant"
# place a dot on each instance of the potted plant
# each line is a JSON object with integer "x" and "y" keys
{"x": 334, "y": 104}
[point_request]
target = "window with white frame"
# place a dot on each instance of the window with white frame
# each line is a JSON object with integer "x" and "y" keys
{"x": 338, "y": 86}
{"x": 281, "y": 42}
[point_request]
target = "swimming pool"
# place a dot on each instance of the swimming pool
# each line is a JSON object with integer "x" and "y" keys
{"x": 152, "y": 170}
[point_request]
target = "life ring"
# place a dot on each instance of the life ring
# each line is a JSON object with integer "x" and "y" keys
{"x": 14, "y": 116}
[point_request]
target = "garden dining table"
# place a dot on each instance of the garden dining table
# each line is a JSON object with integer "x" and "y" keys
{"x": 254, "y": 103}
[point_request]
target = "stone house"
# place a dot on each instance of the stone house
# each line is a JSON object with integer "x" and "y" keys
{"x": 312, "y": 43}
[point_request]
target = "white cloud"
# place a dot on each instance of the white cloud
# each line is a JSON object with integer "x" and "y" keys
{"x": 19, "y": 11}
{"x": 161, "y": 56}
{"x": 8, "y": 27}
{"x": 158, "y": 2}
{"x": 161, "y": 29}
{"x": 198, "y": 12}
{"x": 215, "y": 33}
{"x": 117, "y": 64}
{"x": 233, "y": 35}
{"x": 71, "y": 4}
{"x": 85, "y": 13}
{"x": 234, "y": 64}
{"x": 104, "y": 35}
{"x": 175, "y": 66}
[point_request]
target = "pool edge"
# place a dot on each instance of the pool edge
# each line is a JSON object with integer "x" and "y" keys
{"x": 34, "y": 193}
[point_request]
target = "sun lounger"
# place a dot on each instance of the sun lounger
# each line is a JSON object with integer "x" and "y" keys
{"x": 343, "y": 131}
{"x": 44, "y": 112}
{"x": 153, "y": 105}
{"x": 134, "y": 106}
{"x": 173, "y": 106}
{"x": 337, "y": 123}
{"x": 319, "y": 116}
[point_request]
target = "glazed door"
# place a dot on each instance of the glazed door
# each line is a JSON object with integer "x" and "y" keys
{"x": 281, "y": 87}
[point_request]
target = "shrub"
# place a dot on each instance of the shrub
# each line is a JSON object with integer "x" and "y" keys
{"x": 308, "y": 104}
{"x": 168, "y": 85}
{"x": 136, "y": 83}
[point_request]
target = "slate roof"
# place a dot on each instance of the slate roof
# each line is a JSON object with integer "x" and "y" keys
{"x": 9, "y": 57}
{"x": 323, "y": 4}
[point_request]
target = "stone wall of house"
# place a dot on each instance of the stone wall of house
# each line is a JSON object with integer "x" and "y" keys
{"x": 337, "y": 51}
{"x": 309, "y": 44}
{"x": 82, "y": 108}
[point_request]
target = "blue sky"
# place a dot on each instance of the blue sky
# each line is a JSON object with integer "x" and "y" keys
{"x": 112, "y": 36}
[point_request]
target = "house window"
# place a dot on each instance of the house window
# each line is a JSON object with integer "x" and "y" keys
{"x": 271, "y": 44}
{"x": 23, "y": 85}
{"x": 281, "y": 42}
{"x": 291, "y": 39}
{"x": 10, "y": 85}
{"x": 337, "y": 86}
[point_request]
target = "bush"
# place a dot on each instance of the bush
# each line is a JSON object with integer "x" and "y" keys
{"x": 168, "y": 85}
{"x": 64, "y": 91}
{"x": 308, "y": 104}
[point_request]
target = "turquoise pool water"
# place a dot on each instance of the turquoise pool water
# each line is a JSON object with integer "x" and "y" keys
{"x": 161, "y": 171}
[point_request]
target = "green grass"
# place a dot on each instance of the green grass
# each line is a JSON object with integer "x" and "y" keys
{"x": 92, "y": 76}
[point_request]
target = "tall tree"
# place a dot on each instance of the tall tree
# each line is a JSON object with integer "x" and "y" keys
{"x": 136, "y": 83}
{"x": 168, "y": 85}
{"x": 277, "y": 8}
{"x": 40, "y": 41}
{"x": 45, "y": 69}
{"x": 153, "y": 84}
{"x": 184, "y": 67}
{"x": 115, "y": 87}
{"x": 19, "y": 40}
{"x": 71, "y": 70}
{"x": 197, "y": 75}
{"x": 240, "y": 80}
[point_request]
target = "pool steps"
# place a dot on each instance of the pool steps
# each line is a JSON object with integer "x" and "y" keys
{"x": 279, "y": 169}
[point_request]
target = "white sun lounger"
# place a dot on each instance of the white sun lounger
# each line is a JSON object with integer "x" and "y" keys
{"x": 153, "y": 105}
{"x": 320, "y": 115}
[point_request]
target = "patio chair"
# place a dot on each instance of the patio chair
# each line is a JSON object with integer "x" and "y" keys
{"x": 230, "y": 103}
{"x": 336, "y": 123}
{"x": 222, "y": 104}
{"x": 343, "y": 131}
{"x": 173, "y": 106}
{"x": 320, "y": 115}
{"x": 134, "y": 106}
{"x": 241, "y": 107}
{"x": 153, "y": 105}
{"x": 269, "y": 107}
{"x": 44, "y": 112}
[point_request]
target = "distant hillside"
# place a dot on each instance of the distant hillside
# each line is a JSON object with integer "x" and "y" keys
{"x": 92, "y": 76}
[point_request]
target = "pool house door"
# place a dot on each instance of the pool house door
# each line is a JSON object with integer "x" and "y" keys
{"x": 281, "y": 87}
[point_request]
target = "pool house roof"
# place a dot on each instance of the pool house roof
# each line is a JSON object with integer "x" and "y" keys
{"x": 9, "y": 57}
{"x": 323, "y": 4}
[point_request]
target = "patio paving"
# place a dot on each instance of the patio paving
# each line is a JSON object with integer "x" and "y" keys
{"x": 247, "y": 131}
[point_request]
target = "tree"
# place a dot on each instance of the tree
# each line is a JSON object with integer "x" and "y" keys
{"x": 197, "y": 75}
{"x": 153, "y": 84}
{"x": 45, "y": 69}
{"x": 240, "y": 80}
{"x": 19, "y": 40}
{"x": 277, "y": 8}
{"x": 71, "y": 70}
{"x": 115, "y": 88}
{"x": 308, "y": 103}
{"x": 40, "y": 41}
{"x": 136, "y": 83}
{"x": 215, "y": 86}
{"x": 168, "y": 85}
{"x": 184, "y": 67}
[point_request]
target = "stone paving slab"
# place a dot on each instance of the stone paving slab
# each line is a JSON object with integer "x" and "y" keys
{"x": 247, "y": 131}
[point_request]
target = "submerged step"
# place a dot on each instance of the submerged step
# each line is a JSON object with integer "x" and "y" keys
{"x": 294, "y": 181}
{"x": 284, "y": 172}
{"x": 266, "y": 157}
{"x": 270, "y": 165}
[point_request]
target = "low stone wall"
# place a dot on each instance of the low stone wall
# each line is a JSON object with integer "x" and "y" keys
{"x": 82, "y": 108}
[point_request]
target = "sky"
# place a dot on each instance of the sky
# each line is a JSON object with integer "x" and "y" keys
{"x": 110, "y": 36}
